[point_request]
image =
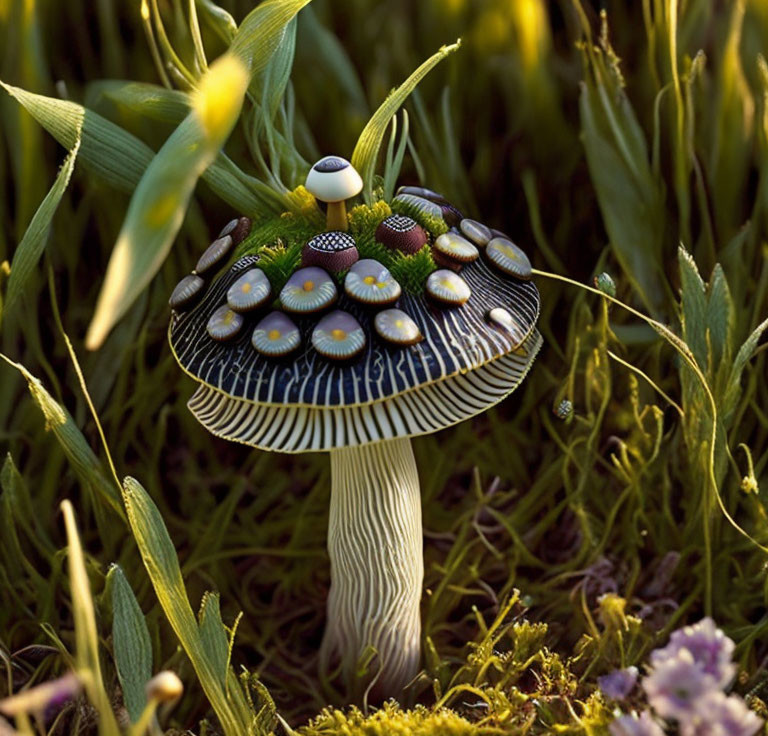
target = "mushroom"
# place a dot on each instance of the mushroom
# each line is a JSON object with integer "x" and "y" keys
{"x": 334, "y": 180}
{"x": 359, "y": 382}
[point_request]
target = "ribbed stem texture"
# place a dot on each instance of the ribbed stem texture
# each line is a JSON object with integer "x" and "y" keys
{"x": 377, "y": 568}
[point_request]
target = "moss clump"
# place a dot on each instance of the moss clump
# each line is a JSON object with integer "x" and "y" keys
{"x": 390, "y": 721}
{"x": 279, "y": 241}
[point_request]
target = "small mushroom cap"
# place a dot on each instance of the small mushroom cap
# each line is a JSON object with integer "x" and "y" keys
{"x": 508, "y": 258}
{"x": 333, "y": 179}
{"x": 475, "y": 231}
{"x": 224, "y": 324}
{"x": 187, "y": 292}
{"x": 215, "y": 255}
{"x": 448, "y": 288}
{"x": 456, "y": 247}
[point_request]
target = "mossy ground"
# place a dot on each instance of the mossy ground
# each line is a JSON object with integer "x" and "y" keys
{"x": 279, "y": 241}
{"x": 598, "y": 144}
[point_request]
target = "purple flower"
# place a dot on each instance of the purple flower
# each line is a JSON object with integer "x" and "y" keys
{"x": 46, "y": 697}
{"x": 634, "y": 726}
{"x": 619, "y": 683}
{"x": 710, "y": 648}
{"x": 676, "y": 684}
{"x": 721, "y": 715}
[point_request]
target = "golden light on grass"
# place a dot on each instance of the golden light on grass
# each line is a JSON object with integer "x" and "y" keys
{"x": 218, "y": 98}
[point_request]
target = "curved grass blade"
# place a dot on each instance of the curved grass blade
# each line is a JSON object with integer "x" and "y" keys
{"x": 79, "y": 453}
{"x": 33, "y": 243}
{"x": 160, "y": 201}
{"x": 106, "y": 150}
{"x": 162, "y": 563}
{"x": 131, "y": 643}
{"x": 368, "y": 144}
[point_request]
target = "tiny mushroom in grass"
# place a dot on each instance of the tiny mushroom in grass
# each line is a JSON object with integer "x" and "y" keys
{"x": 334, "y": 180}
{"x": 355, "y": 364}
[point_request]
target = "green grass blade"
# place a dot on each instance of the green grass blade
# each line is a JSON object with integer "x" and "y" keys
{"x": 86, "y": 634}
{"x": 131, "y": 643}
{"x": 159, "y": 203}
{"x": 213, "y": 634}
{"x": 148, "y": 100}
{"x": 79, "y": 453}
{"x": 33, "y": 243}
{"x": 368, "y": 144}
{"x": 261, "y": 32}
{"x": 161, "y": 561}
{"x": 107, "y": 150}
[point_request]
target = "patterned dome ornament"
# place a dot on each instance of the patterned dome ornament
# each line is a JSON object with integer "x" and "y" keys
{"x": 334, "y": 251}
{"x": 402, "y": 233}
{"x": 368, "y": 345}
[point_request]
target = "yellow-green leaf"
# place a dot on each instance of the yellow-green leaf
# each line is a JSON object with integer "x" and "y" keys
{"x": 86, "y": 634}
{"x": 158, "y": 205}
{"x": 106, "y": 150}
{"x": 131, "y": 643}
{"x": 76, "y": 448}
{"x": 33, "y": 243}
{"x": 160, "y": 559}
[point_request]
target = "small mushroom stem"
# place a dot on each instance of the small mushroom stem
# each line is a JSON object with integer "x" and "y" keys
{"x": 336, "y": 216}
{"x": 376, "y": 550}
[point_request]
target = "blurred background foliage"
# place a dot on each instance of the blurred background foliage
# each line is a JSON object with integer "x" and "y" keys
{"x": 630, "y": 138}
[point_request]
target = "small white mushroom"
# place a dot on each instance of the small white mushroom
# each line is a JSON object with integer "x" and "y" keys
{"x": 334, "y": 180}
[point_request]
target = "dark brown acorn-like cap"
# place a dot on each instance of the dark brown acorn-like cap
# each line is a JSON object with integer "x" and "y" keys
{"x": 402, "y": 233}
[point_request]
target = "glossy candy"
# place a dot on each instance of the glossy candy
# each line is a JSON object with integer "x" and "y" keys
{"x": 238, "y": 229}
{"x": 423, "y": 193}
{"x": 276, "y": 335}
{"x": 508, "y": 258}
{"x": 475, "y": 231}
{"x": 250, "y": 291}
{"x": 452, "y": 249}
{"x": 308, "y": 290}
{"x": 424, "y": 206}
{"x": 502, "y": 319}
{"x": 369, "y": 282}
{"x": 224, "y": 324}
{"x": 338, "y": 336}
{"x": 187, "y": 292}
{"x": 215, "y": 255}
{"x": 396, "y": 327}
{"x": 447, "y": 288}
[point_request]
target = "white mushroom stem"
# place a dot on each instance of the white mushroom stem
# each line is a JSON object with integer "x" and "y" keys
{"x": 336, "y": 216}
{"x": 377, "y": 568}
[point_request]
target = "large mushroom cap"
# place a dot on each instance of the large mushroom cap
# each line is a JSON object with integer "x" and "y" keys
{"x": 426, "y": 364}
{"x": 333, "y": 179}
